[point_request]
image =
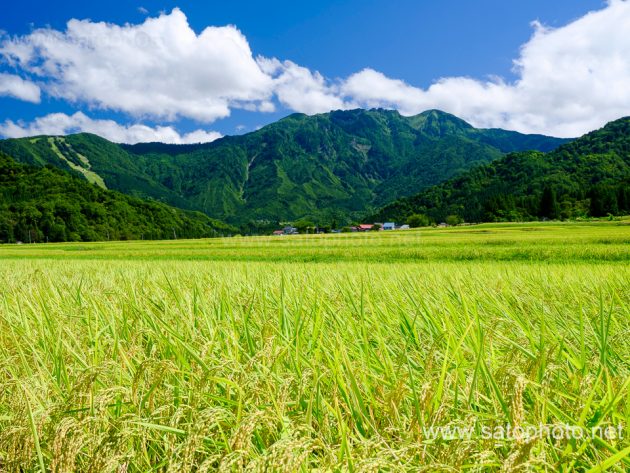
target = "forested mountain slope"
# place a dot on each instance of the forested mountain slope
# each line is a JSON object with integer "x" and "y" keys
{"x": 330, "y": 167}
{"x": 587, "y": 177}
{"x": 39, "y": 204}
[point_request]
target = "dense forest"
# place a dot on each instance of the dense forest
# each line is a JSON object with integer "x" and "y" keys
{"x": 46, "y": 204}
{"x": 589, "y": 177}
{"x": 330, "y": 168}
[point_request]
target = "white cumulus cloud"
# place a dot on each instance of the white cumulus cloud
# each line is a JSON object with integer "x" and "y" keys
{"x": 14, "y": 86}
{"x": 373, "y": 89}
{"x": 62, "y": 124}
{"x": 160, "y": 68}
{"x": 570, "y": 80}
{"x": 567, "y": 80}
{"x": 300, "y": 89}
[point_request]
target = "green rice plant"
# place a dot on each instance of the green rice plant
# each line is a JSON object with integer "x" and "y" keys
{"x": 408, "y": 352}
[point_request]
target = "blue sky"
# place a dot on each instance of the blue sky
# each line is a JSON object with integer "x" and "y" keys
{"x": 327, "y": 55}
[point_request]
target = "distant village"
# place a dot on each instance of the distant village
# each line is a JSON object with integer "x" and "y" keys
{"x": 364, "y": 227}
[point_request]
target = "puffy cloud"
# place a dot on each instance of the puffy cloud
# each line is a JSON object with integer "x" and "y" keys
{"x": 570, "y": 80}
{"x": 14, "y": 86}
{"x": 62, "y": 124}
{"x": 160, "y": 68}
{"x": 300, "y": 89}
{"x": 373, "y": 89}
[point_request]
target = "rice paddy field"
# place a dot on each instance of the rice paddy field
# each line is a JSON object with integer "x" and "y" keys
{"x": 480, "y": 348}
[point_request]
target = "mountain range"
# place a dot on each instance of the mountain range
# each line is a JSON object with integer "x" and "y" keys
{"x": 331, "y": 168}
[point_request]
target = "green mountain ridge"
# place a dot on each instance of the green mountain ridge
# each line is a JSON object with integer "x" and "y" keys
{"x": 41, "y": 204}
{"x": 330, "y": 167}
{"x": 587, "y": 177}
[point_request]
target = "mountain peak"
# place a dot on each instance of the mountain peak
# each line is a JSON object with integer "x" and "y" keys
{"x": 437, "y": 123}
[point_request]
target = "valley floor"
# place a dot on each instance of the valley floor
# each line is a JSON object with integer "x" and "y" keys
{"x": 485, "y": 348}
